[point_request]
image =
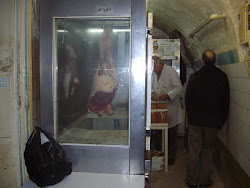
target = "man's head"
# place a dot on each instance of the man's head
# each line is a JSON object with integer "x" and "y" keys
{"x": 208, "y": 57}
{"x": 158, "y": 65}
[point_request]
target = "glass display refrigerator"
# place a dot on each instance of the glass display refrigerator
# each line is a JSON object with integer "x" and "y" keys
{"x": 93, "y": 82}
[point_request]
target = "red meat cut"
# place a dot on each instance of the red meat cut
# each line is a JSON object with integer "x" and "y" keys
{"x": 104, "y": 85}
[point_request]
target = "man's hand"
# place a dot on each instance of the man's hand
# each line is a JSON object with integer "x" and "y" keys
{"x": 164, "y": 97}
{"x": 154, "y": 96}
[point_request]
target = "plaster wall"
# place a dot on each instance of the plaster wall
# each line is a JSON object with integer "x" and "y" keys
{"x": 9, "y": 157}
{"x": 182, "y": 15}
{"x": 186, "y": 17}
{"x": 220, "y": 35}
{"x": 13, "y": 134}
{"x": 157, "y": 33}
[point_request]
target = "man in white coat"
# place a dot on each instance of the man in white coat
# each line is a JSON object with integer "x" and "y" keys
{"x": 166, "y": 86}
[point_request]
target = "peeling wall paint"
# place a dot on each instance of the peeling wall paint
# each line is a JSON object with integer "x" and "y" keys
{"x": 13, "y": 134}
{"x": 9, "y": 157}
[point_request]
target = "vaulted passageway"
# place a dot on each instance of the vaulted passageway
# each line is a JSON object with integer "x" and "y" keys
{"x": 221, "y": 35}
{"x": 181, "y": 18}
{"x": 171, "y": 18}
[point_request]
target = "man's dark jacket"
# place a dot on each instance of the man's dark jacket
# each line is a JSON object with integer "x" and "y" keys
{"x": 207, "y": 97}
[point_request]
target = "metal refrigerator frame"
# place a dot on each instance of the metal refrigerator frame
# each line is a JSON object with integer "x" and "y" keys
{"x": 99, "y": 158}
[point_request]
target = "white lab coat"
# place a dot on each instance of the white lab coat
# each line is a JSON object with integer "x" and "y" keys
{"x": 169, "y": 83}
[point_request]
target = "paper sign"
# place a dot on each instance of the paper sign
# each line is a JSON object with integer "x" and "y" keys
{"x": 3, "y": 82}
{"x": 168, "y": 49}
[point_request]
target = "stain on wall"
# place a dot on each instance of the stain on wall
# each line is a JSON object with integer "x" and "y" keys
{"x": 9, "y": 156}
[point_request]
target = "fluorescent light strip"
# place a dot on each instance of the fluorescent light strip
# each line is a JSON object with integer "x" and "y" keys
{"x": 62, "y": 31}
{"x": 95, "y": 30}
{"x": 121, "y": 30}
{"x": 101, "y": 30}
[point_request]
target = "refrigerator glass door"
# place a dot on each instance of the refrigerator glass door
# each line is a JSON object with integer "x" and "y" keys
{"x": 92, "y": 79}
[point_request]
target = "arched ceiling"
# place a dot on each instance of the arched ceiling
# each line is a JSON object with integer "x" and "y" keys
{"x": 183, "y": 15}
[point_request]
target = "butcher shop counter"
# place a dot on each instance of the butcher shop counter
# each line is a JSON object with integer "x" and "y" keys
{"x": 89, "y": 128}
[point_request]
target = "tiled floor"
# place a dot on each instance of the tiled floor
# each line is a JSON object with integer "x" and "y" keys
{"x": 175, "y": 177}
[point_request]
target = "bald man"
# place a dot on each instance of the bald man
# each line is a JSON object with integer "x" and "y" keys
{"x": 207, "y": 104}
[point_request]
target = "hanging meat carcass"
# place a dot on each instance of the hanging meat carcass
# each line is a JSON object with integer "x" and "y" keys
{"x": 70, "y": 73}
{"x": 104, "y": 85}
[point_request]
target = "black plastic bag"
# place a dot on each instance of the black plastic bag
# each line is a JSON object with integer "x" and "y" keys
{"x": 46, "y": 161}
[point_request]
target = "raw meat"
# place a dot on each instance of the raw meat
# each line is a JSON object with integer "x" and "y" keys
{"x": 104, "y": 84}
{"x": 70, "y": 72}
